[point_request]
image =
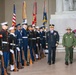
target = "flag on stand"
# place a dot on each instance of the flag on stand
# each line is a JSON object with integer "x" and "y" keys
{"x": 24, "y": 16}
{"x": 44, "y": 15}
{"x": 34, "y": 14}
{"x": 14, "y": 16}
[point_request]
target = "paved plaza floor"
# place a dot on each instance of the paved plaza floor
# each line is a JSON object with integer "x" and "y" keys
{"x": 42, "y": 68}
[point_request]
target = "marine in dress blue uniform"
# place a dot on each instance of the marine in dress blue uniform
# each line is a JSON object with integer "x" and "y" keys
{"x": 52, "y": 39}
{"x": 5, "y": 46}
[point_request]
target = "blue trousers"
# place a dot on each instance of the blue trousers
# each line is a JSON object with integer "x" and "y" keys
{"x": 31, "y": 52}
{"x": 6, "y": 59}
{"x": 22, "y": 60}
{"x": 51, "y": 54}
{"x": 25, "y": 44}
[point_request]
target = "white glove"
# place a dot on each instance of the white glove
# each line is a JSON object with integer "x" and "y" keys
{"x": 46, "y": 46}
{"x": 1, "y": 53}
{"x": 11, "y": 51}
{"x": 28, "y": 47}
{"x": 36, "y": 55}
{"x": 18, "y": 49}
{"x": 56, "y": 45}
{"x": 40, "y": 44}
{"x": 36, "y": 44}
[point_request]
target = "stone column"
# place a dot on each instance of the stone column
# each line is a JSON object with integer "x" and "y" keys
{"x": 65, "y": 5}
{"x": 71, "y": 5}
{"x": 59, "y": 6}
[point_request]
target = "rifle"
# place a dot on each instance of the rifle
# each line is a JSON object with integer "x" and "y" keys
{"x": 29, "y": 57}
{"x": 2, "y": 61}
{"x": 14, "y": 60}
{"x": 23, "y": 57}
{"x": 19, "y": 64}
{"x": 38, "y": 51}
{"x": 41, "y": 51}
{"x": 34, "y": 54}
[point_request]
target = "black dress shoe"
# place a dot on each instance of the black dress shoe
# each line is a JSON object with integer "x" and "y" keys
{"x": 71, "y": 62}
{"x": 27, "y": 63}
{"x": 53, "y": 62}
{"x": 22, "y": 64}
{"x": 8, "y": 74}
{"x": 66, "y": 63}
{"x": 15, "y": 70}
{"x": 49, "y": 63}
{"x": 21, "y": 67}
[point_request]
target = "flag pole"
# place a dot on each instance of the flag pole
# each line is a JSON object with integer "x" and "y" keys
{"x": 14, "y": 16}
{"x": 24, "y": 14}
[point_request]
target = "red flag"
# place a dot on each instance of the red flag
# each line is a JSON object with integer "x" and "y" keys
{"x": 34, "y": 14}
{"x": 14, "y": 16}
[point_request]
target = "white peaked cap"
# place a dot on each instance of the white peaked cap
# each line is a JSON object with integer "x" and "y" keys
{"x": 11, "y": 28}
{"x": 37, "y": 26}
{"x": 25, "y": 22}
{"x": 4, "y": 23}
{"x": 33, "y": 25}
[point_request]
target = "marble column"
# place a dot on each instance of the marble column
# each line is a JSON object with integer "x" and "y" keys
{"x": 59, "y": 6}
{"x": 71, "y": 5}
{"x": 65, "y": 5}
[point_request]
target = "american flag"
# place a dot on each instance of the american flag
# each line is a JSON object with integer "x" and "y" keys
{"x": 14, "y": 16}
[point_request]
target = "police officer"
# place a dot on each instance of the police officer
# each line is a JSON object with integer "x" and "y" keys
{"x": 5, "y": 46}
{"x": 69, "y": 43}
{"x": 25, "y": 38}
{"x": 52, "y": 39}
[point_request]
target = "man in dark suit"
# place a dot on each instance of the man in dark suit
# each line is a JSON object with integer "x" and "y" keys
{"x": 52, "y": 40}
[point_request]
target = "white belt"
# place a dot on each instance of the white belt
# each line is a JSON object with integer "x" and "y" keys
{"x": 12, "y": 44}
{"x": 34, "y": 38}
{"x": 44, "y": 36}
{"x": 38, "y": 37}
{"x": 24, "y": 37}
{"x": 4, "y": 42}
